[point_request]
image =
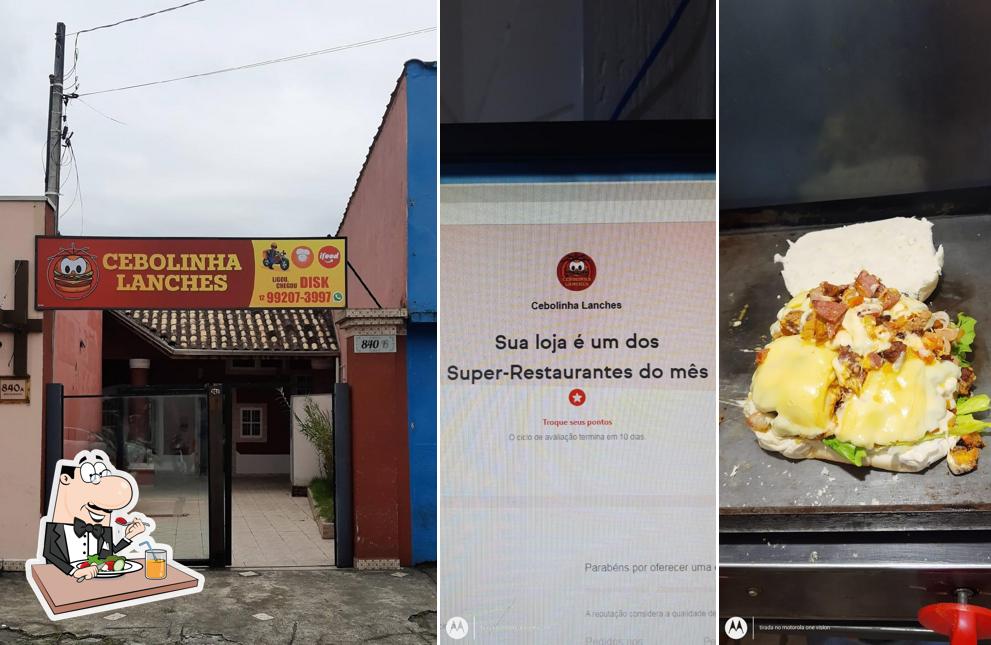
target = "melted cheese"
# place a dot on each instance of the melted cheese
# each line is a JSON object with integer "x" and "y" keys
{"x": 906, "y": 306}
{"x": 854, "y": 335}
{"x": 792, "y": 381}
{"x": 899, "y": 405}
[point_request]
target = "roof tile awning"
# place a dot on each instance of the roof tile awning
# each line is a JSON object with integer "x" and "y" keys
{"x": 205, "y": 332}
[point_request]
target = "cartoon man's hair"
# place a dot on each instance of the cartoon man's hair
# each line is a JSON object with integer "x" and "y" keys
{"x": 71, "y": 469}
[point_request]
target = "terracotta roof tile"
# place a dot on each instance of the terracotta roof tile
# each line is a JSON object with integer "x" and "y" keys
{"x": 239, "y": 330}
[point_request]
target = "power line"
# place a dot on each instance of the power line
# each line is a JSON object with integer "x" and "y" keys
{"x": 107, "y": 116}
{"x": 147, "y": 15}
{"x": 319, "y": 52}
{"x": 78, "y": 193}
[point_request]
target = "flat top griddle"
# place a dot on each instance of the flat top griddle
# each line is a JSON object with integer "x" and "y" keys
{"x": 761, "y": 491}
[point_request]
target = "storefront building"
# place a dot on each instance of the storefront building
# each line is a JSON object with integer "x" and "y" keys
{"x": 35, "y": 349}
{"x": 188, "y": 399}
{"x": 390, "y": 223}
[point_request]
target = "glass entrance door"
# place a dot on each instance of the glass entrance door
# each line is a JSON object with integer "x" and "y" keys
{"x": 173, "y": 447}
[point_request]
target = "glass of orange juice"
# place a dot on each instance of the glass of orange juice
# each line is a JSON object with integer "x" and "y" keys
{"x": 155, "y": 567}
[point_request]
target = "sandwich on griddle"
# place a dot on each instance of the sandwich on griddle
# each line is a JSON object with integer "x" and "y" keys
{"x": 864, "y": 373}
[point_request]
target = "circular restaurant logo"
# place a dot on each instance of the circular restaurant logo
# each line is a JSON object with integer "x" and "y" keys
{"x": 329, "y": 256}
{"x": 73, "y": 273}
{"x": 302, "y": 256}
{"x": 576, "y": 271}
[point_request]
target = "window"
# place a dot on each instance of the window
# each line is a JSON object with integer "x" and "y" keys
{"x": 252, "y": 423}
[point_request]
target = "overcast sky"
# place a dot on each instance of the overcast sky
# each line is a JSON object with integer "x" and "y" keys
{"x": 261, "y": 152}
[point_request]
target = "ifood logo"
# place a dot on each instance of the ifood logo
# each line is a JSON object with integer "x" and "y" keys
{"x": 576, "y": 271}
{"x": 736, "y": 627}
{"x": 456, "y": 628}
{"x": 329, "y": 256}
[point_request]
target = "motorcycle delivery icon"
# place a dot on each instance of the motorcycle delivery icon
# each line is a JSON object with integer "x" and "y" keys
{"x": 275, "y": 258}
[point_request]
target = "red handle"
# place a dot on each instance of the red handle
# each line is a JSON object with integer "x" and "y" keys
{"x": 964, "y": 624}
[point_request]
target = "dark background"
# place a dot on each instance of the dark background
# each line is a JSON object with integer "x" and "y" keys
{"x": 572, "y": 60}
{"x": 848, "y": 99}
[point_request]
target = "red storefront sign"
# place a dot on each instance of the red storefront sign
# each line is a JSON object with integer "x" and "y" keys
{"x": 189, "y": 273}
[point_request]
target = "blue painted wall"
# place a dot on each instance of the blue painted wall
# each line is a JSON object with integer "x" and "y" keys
{"x": 421, "y": 289}
{"x": 421, "y": 97}
{"x": 421, "y": 357}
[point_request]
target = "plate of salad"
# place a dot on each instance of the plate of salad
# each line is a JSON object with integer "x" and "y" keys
{"x": 110, "y": 566}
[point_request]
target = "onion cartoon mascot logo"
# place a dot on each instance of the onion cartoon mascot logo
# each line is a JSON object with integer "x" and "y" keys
{"x": 73, "y": 273}
{"x": 576, "y": 271}
{"x": 94, "y": 553}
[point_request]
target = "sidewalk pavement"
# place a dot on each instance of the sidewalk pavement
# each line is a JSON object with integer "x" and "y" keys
{"x": 319, "y": 606}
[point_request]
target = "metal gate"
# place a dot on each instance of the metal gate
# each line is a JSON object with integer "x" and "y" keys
{"x": 174, "y": 441}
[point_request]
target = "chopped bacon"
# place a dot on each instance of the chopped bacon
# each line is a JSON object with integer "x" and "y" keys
{"x": 875, "y": 360}
{"x": 849, "y": 356}
{"x": 790, "y": 324}
{"x": 867, "y": 284}
{"x": 966, "y": 381}
{"x": 829, "y": 311}
{"x": 892, "y": 353}
{"x": 857, "y": 377}
{"x": 852, "y": 361}
{"x": 890, "y": 298}
{"x": 817, "y": 295}
{"x": 761, "y": 355}
{"x": 824, "y": 330}
{"x": 832, "y": 290}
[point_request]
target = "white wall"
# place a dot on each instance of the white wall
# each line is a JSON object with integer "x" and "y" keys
{"x": 305, "y": 459}
{"x": 21, "y": 468}
{"x": 261, "y": 464}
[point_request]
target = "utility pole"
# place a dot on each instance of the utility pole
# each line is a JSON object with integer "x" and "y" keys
{"x": 55, "y": 106}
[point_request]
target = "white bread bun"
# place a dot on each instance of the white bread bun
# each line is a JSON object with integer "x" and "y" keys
{"x": 899, "y": 251}
{"x": 905, "y": 459}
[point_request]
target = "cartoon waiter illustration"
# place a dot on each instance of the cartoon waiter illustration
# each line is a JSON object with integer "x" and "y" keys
{"x": 80, "y": 526}
{"x": 90, "y": 536}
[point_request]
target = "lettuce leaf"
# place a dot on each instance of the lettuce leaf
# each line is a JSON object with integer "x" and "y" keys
{"x": 966, "y": 423}
{"x": 853, "y": 454}
{"x": 962, "y": 346}
{"x": 970, "y": 405}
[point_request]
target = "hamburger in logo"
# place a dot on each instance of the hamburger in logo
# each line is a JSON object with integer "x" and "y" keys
{"x": 73, "y": 273}
{"x": 302, "y": 256}
{"x": 576, "y": 271}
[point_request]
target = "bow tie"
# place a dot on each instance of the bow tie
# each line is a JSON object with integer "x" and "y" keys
{"x": 81, "y": 527}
